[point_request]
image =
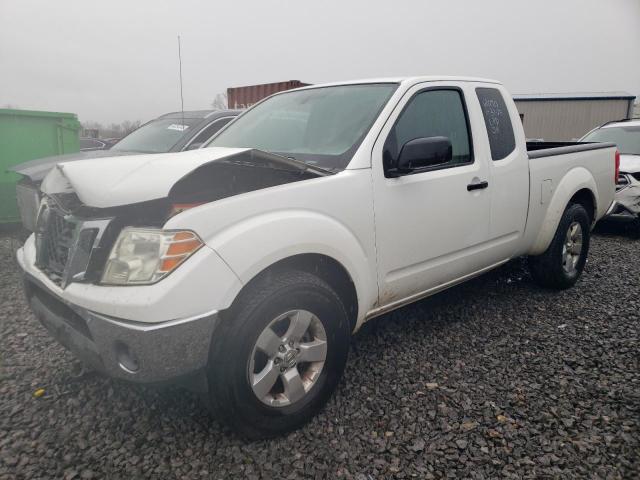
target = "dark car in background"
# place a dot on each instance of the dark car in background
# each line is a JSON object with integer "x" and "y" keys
{"x": 110, "y": 142}
{"x": 88, "y": 144}
{"x": 173, "y": 132}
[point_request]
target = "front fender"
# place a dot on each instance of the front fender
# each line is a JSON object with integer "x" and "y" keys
{"x": 257, "y": 242}
{"x": 574, "y": 180}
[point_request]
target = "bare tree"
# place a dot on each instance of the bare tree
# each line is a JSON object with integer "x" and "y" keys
{"x": 220, "y": 102}
{"x": 129, "y": 126}
{"x": 113, "y": 130}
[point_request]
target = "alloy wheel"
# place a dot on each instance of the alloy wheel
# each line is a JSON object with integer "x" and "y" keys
{"x": 572, "y": 248}
{"x": 288, "y": 358}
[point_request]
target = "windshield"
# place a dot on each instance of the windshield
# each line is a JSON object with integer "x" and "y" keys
{"x": 626, "y": 138}
{"x": 157, "y": 136}
{"x": 320, "y": 126}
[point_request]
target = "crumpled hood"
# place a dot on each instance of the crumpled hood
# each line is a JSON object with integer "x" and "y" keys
{"x": 112, "y": 182}
{"x": 37, "y": 169}
{"x": 630, "y": 163}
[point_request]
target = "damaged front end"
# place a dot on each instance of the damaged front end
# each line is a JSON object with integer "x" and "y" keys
{"x": 83, "y": 213}
{"x": 627, "y": 199}
{"x": 73, "y": 241}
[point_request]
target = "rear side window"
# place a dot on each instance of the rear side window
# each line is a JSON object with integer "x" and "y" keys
{"x": 496, "y": 118}
{"x": 432, "y": 113}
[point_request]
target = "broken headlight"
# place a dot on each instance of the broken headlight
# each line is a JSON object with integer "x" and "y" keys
{"x": 143, "y": 255}
{"x": 623, "y": 181}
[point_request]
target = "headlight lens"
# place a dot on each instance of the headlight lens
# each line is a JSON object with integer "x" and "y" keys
{"x": 143, "y": 256}
{"x": 623, "y": 181}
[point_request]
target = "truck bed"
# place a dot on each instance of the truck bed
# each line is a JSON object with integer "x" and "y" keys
{"x": 561, "y": 166}
{"x": 547, "y": 149}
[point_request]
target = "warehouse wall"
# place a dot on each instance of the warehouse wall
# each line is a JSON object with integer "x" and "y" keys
{"x": 564, "y": 120}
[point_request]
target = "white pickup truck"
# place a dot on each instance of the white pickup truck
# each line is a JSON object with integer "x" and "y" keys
{"x": 246, "y": 266}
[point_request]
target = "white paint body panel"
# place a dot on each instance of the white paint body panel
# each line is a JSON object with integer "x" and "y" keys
{"x": 398, "y": 238}
{"x": 421, "y": 240}
{"x": 592, "y": 170}
{"x": 331, "y": 216}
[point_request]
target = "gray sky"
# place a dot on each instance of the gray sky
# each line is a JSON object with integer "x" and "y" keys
{"x": 117, "y": 60}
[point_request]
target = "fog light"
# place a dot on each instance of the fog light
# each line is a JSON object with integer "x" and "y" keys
{"x": 127, "y": 360}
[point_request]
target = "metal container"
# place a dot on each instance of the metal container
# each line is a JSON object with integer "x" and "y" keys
{"x": 26, "y": 135}
{"x": 561, "y": 117}
{"x": 244, "y": 97}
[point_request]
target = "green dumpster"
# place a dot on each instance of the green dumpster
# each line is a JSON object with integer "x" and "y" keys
{"x": 26, "y": 135}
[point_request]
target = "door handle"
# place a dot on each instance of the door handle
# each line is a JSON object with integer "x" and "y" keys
{"x": 477, "y": 185}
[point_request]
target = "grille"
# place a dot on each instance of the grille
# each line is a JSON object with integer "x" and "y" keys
{"x": 65, "y": 242}
{"x": 56, "y": 238}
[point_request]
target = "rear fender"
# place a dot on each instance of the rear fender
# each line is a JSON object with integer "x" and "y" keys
{"x": 574, "y": 180}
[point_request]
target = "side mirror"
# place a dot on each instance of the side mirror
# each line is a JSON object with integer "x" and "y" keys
{"x": 195, "y": 146}
{"x": 425, "y": 152}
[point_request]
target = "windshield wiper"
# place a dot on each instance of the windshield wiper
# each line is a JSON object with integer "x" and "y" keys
{"x": 303, "y": 165}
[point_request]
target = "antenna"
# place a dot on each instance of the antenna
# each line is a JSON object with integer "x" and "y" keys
{"x": 181, "y": 96}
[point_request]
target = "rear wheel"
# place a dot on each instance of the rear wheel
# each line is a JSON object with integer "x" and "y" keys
{"x": 561, "y": 265}
{"x": 279, "y": 355}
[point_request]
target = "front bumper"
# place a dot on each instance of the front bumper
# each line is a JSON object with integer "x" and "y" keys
{"x": 139, "y": 352}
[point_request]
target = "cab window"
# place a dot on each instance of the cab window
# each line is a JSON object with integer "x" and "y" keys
{"x": 496, "y": 118}
{"x": 432, "y": 113}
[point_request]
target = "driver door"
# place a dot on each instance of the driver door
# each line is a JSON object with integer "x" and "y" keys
{"x": 433, "y": 225}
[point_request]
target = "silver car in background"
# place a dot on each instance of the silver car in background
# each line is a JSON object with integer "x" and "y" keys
{"x": 626, "y": 135}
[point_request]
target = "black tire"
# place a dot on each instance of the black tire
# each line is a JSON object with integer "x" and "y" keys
{"x": 230, "y": 392}
{"x": 547, "y": 269}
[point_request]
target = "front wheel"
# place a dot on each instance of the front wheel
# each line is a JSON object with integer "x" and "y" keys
{"x": 561, "y": 265}
{"x": 278, "y": 355}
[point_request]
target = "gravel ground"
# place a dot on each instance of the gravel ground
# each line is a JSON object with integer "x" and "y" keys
{"x": 495, "y": 378}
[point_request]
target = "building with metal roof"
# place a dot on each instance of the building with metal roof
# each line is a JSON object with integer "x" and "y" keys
{"x": 568, "y": 116}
